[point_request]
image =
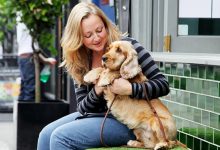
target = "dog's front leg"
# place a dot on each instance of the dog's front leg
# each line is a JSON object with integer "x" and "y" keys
{"x": 107, "y": 77}
{"x": 93, "y": 75}
{"x": 138, "y": 142}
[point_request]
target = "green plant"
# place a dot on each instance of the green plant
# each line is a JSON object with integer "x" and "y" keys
{"x": 40, "y": 17}
{"x": 7, "y": 19}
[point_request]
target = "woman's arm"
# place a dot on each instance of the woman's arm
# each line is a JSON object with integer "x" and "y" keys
{"x": 157, "y": 84}
{"x": 88, "y": 101}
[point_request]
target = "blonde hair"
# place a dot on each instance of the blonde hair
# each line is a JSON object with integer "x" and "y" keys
{"x": 75, "y": 54}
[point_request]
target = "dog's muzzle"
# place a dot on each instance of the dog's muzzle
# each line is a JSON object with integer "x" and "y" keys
{"x": 104, "y": 59}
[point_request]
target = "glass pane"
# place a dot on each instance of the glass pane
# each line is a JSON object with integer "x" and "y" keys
{"x": 199, "y": 17}
{"x": 198, "y": 26}
{"x": 216, "y": 10}
{"x": 195, "y": 8}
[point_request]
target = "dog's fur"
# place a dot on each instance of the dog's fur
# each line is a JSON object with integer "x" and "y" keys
{"x": 120, "y": 60}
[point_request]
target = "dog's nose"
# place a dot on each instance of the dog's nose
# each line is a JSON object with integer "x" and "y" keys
{"x": 104, "y": 58}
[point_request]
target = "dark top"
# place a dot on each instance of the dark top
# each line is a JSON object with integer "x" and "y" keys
{"x": 156, "y": 86}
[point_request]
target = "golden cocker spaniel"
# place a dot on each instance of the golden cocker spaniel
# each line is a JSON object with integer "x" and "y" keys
{"x": 121, "y": 61}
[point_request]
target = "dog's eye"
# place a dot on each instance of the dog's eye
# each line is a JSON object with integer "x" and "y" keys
{"x": 118, "y": 50}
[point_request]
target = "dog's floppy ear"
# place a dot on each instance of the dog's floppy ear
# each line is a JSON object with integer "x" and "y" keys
{"x": 130, "y": 68}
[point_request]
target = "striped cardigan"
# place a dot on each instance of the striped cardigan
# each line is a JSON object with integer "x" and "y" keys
{"x": 157, "y": 85}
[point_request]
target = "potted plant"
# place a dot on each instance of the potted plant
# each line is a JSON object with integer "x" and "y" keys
{"x": 40, "y": 17}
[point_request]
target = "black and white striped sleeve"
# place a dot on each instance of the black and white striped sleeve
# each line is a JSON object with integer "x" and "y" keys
{"x": 88, "y": 101}
{"x": 157, "y": 84}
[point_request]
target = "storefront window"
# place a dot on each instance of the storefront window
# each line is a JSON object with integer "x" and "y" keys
{"x": 199, "y": 17}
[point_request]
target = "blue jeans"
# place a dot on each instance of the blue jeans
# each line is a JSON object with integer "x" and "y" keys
{"x": 69, "y": 133}
{"x": 27, "y": 72}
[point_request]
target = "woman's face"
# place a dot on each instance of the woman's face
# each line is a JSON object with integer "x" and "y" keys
{"x": 94, "y": 33}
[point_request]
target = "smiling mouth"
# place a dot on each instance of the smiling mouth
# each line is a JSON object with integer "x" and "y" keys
{"x": 98, "y": 44}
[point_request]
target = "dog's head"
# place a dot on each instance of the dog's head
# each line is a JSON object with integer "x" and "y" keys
{"x": 121, "y": 56}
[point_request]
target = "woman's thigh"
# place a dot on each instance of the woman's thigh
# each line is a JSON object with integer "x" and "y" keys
{"x": 85, "y": 133}
{"x": 45, "y": 134}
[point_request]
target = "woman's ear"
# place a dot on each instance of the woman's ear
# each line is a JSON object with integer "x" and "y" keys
{"x": 130, "y": 68}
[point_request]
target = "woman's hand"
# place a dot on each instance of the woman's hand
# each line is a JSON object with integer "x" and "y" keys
{"x": 51, "y": 61}
{"x": 98, "y": 89}
{"x": 121, "y": 87}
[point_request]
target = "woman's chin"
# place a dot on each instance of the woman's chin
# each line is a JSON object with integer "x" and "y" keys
{"x": 98, "y": 48}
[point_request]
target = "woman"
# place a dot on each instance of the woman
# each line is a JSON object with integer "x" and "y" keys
{"x": 87, "y": 33}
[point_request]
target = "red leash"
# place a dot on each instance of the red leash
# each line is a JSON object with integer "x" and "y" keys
{"x": 103, "y": 124}
{"x": 155, "y": 113}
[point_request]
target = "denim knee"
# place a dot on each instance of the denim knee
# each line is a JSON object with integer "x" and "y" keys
{"x": 60, "y": 140}
{"x": 44, "y": 140}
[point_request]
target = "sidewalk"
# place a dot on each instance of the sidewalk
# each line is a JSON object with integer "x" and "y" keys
{"x": 7, "y": 132}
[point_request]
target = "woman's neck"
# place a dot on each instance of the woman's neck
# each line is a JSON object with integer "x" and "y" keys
{"x": 97, "y": 59}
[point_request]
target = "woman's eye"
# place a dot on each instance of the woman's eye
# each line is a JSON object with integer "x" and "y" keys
{"x": 99, "y": 30}
{"x": 88, "y": 36}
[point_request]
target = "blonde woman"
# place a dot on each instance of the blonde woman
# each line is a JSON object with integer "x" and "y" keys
{"x": 87, "y": 33}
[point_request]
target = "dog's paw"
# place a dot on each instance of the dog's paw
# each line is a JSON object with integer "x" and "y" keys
{"x": 161, "y": 145}
{"x": 103, "y": 82}
{"x": 133, "y": 143}
{"x": 105, "y": 78}
{"x": 90, "y": 77}
{"x": 93, "y": 75}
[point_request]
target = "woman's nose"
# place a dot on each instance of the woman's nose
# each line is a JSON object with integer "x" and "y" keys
{"x": 96, "y": 37}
